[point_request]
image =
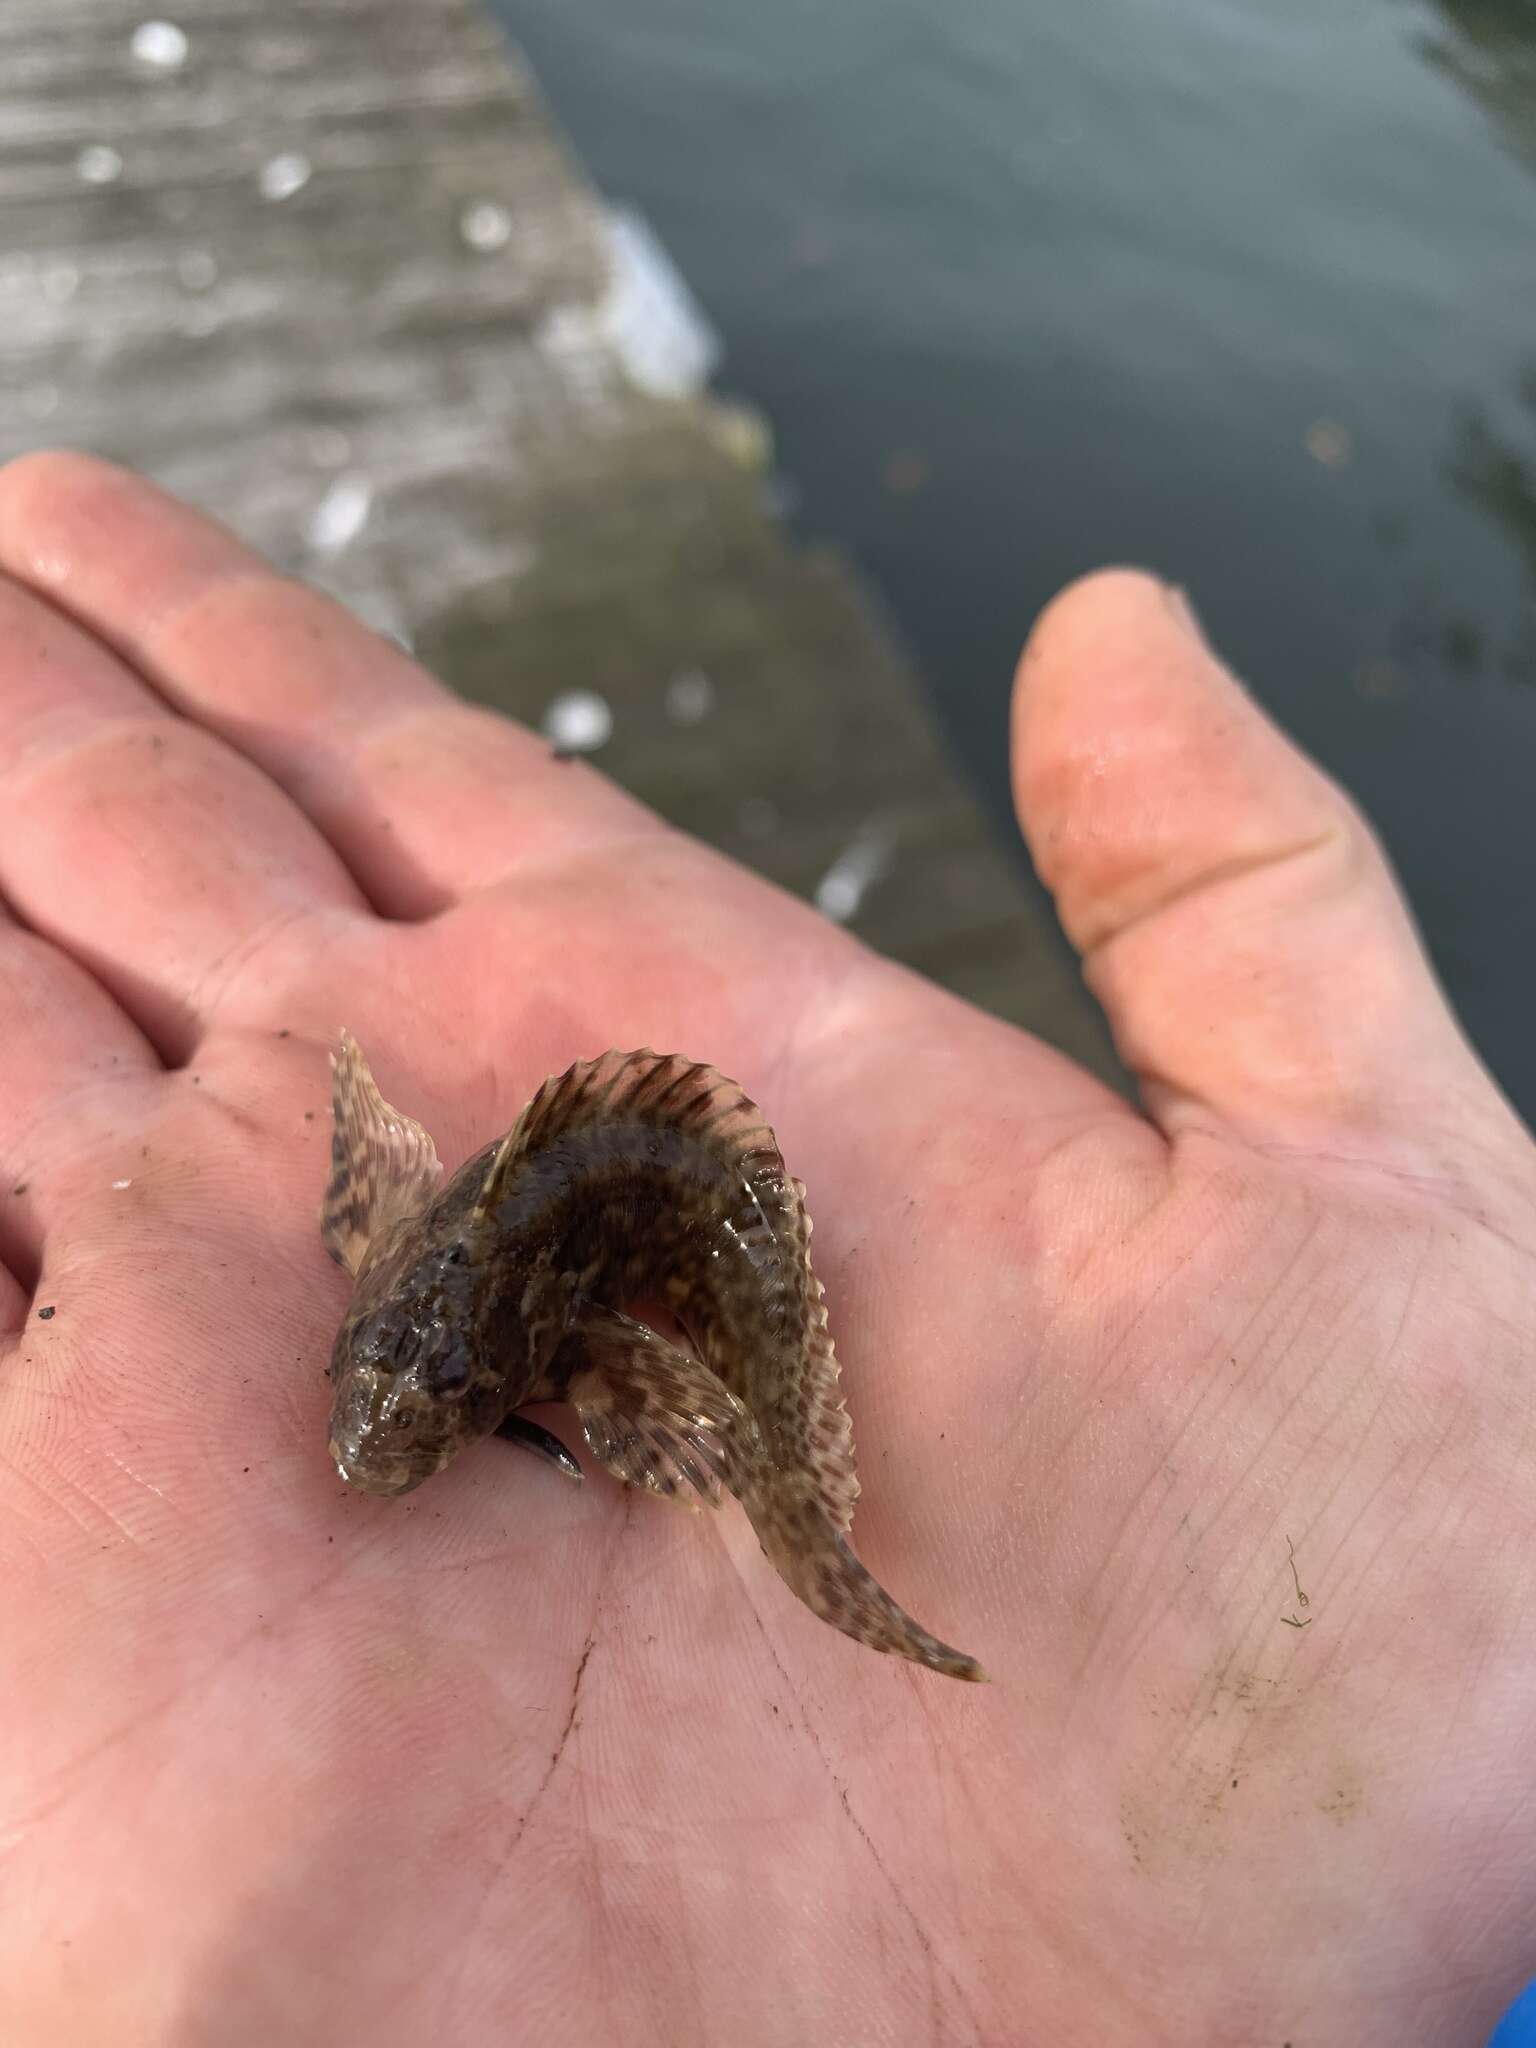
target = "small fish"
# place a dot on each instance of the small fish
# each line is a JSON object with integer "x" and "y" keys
{"x": 635, "y": 1177}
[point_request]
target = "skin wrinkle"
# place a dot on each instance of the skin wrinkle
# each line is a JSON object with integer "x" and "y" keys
{"x": 1110, "y": 1550}
{"x": 1335, "y": 1644}
{"x": 504, "y": 1857}
{"x": 1211, "y": 879}
{"x": 1456, "y": 1196}
{"x": 925, "y": 1943}
{"x": 142, "y": 647}
{"x": 69, "y": 760}
{"x": 1258, "y": 1606}
{"x": 220, "y": 981}
{"x": 162, "y": 1703}
{"x": 525, "y": 870}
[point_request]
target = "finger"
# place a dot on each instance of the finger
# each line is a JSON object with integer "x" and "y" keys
{"x": 74, "y": 1066}
{"x": 135, "y": 840}
{"x": 424, "y": 797}
{"x": 1235, "y": 916}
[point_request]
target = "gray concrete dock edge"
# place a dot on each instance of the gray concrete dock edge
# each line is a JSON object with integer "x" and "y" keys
{"x": 326, "y": 268}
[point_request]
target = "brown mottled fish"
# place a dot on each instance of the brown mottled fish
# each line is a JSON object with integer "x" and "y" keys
{"x": 638, "y": 1176}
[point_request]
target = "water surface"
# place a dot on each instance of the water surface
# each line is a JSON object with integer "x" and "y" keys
{"x": 1241, "y": 289}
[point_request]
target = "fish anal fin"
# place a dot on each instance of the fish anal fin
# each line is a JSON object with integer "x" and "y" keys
{"x": 654, "y": 1416}
{"x": 384, "y": 1166}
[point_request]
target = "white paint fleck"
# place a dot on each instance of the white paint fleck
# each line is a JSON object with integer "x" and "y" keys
{"x": 119, "y": 1185}
{"x": 282, "y": 176}
{"x": 159, "y": 45}
{"x": 485, "y": 226}
{"x": 99, "y": 164}
{"x": 650, "y": 317}
{"x": 857, "y": 868}
{"x": 60, "y": 282}
{"x": 578, "y": 722}
{"x": 690, "y": 697}
{"x": 341, "y": 514}
{"x": 197, "y": 269}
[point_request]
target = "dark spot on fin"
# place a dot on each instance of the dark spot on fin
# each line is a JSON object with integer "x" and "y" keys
{"x": 654, "y": 1416}
{"x": 384, "y": 1167}
{"x": 518, "y": 1430}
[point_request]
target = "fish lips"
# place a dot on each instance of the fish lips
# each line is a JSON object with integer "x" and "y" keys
{"x": 367, "y": 1472}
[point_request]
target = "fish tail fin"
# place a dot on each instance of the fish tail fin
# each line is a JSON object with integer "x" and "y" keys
{"x": 818, "y": 1564}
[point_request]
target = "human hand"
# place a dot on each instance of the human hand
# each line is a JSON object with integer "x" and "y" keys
{"x": 1208, "y": 1429}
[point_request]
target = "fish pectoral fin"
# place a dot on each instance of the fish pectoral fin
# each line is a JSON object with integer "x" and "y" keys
{"x": 654, "y": 1416}
{"x": 383, "y": 1165}
{"x": 543, "y": 1443}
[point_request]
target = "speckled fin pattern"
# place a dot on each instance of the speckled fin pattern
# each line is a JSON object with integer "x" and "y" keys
{"x": 654, "y": 1416}
{"x": 384, "y": 1167}
{"x": 796, "y": 1391}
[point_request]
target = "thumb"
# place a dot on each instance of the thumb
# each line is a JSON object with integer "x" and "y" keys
{"x": 1235, "y": 916}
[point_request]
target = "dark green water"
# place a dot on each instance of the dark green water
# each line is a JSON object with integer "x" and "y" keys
{"x": 1241, "y": 289}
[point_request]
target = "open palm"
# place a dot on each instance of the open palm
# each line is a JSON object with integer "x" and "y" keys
{"x": 1210, "y": 1431}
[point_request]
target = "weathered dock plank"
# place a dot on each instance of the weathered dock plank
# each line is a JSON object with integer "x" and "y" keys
{"x": 323, "y": 266}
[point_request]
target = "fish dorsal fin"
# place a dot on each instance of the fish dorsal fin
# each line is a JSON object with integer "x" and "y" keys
{"x": 771, "y": 1226}
{"x": 653, "y": 1415}
{"x": 384, "y": 1167}
{"x": 643, "y": 1087}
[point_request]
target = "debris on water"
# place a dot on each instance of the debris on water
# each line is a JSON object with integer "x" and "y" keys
{"x": 843, "y": 887}
{"x": 99, "y": 164}
{"x": 1378, "y": 677}
{"x": 906, "y": 472}
{"x": 578, "y": 722}
{"x": 341, "y": 514}
{"x": 282, "y": 176}
{"x": 690, "y": 697}
{"x": 485, "y": 226}
{"x": 159, "y": 45}
{"x": 1329, "y": 443}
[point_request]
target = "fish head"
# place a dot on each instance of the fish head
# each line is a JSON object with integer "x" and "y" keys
{"x": 407, "y": 1390}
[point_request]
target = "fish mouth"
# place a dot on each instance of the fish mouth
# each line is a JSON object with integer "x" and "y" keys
{"x": 376, "y": 1476}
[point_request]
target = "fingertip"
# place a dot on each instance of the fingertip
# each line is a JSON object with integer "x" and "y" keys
{"x": 33, "y": 489}
{"x": 1119, "y": 598}
{"x": 1123, "y": 719}
{"x": 1235, "y": 914}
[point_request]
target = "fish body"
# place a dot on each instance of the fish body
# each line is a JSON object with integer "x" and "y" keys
{"x": 637, "y": 1177}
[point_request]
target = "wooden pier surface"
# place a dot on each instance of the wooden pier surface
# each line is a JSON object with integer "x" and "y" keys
{"x": 324, "y": 267}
